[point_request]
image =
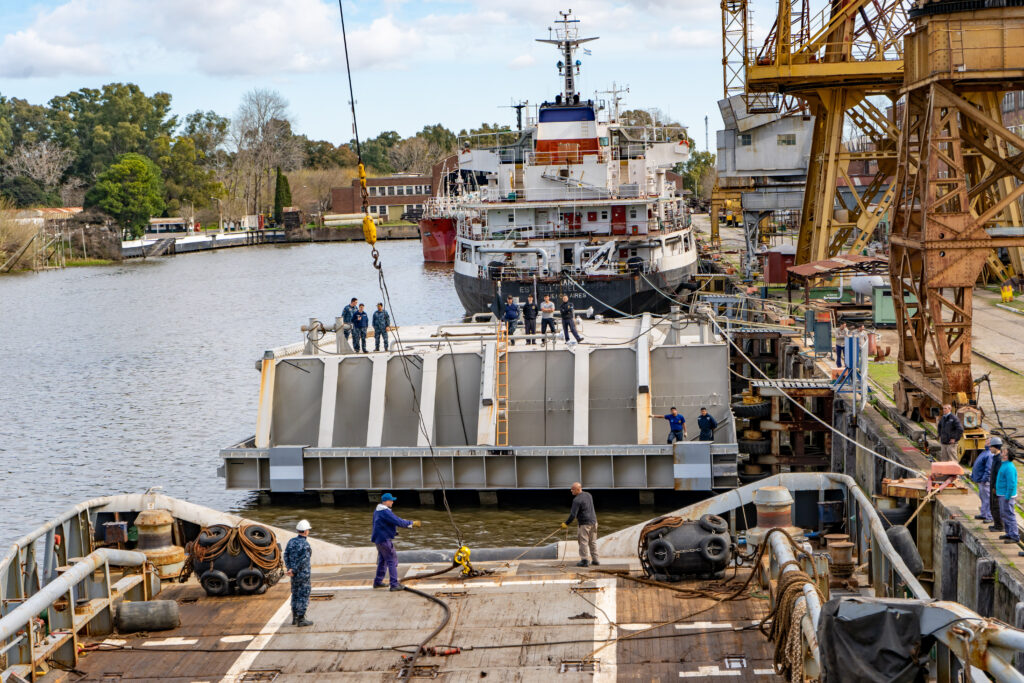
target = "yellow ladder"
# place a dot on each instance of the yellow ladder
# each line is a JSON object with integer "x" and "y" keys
{"x": 501, "y": 385}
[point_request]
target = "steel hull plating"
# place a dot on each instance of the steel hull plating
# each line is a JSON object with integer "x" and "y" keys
{"x": 437, "y": 235}
{"x": 629, "y": 294}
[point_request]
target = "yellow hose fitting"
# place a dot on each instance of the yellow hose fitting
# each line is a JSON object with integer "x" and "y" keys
{"x": 369, "y": 230}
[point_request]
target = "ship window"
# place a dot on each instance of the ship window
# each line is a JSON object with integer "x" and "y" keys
{"x": 511, "y": 217}
{"x": 604, "y": 215}
{"x": 632, "y": 213}
{"x": 603, "y": 141}
{"x": 745, "y": 140}
{"x": 787, "y": 139}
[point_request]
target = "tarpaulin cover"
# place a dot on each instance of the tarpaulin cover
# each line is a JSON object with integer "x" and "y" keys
{"x": 862, "y": 640}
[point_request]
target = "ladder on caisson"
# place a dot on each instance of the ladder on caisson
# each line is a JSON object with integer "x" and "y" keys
{"x": 501, "y": 386}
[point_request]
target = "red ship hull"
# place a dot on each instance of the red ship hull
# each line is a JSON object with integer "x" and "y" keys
{"x": 437, "y": 235}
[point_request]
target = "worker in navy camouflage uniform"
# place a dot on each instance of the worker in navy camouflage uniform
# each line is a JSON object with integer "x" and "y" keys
{"x": 296, "y": 560}
{"x": 360, "y": 321}
{"x": 381, "y": 322}
{"x": 347, "y": 313}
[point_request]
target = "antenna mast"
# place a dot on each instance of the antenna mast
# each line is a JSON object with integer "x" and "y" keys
{"x": 615, "y": 98}
{"x": 566, "y": 37}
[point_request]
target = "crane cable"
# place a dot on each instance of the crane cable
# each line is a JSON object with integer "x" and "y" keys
{"x": 370, "y": 235}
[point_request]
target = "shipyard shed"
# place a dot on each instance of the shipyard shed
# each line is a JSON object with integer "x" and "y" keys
{"x": 332, "y": 420}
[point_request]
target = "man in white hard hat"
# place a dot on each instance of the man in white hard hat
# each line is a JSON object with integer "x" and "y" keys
{"x": 296, "y": 560}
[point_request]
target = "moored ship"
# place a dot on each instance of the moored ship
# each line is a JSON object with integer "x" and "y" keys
{"x": 575, "y": 205}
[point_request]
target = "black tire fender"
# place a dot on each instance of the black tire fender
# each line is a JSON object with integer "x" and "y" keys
{"x": 714, "y": 524}
{"x": 714, "y": 548}
{"x": 903, "y": 542}
{"x": 249, "y": 580}
{"x": 212, "y": 534}
{"x": 259, "y": 535}
{"x": 661, "y": 553}
{"x": 759, "y": 410}
{"x": 215, "y": 583}
{"x": 754, "y": 446}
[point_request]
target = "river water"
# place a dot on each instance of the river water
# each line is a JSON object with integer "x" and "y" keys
{"x": 117, "y": 378}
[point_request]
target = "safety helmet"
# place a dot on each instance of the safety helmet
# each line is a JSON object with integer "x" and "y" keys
{"x": 995, "y": 441}
{"x": 303, "y": 525}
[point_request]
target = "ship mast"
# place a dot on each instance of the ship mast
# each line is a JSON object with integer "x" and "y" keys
{"x": 567, "y": 39}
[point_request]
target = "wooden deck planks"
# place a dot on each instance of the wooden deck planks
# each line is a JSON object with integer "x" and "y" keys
{"x": 533, "y": 607}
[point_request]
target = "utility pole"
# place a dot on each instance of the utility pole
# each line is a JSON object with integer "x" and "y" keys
{"x": 706, "y": 148}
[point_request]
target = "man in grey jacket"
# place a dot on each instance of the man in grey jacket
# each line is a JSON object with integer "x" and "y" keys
{"x": 586, "y": 520}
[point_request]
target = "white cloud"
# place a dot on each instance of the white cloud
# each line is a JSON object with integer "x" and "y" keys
{"x": 27, "y": 54}
{"x": 522, "y": 62}
{"x": 687, "y": 39}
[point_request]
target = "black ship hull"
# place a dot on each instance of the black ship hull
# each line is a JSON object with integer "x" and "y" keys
{"x": 630, "y": 295}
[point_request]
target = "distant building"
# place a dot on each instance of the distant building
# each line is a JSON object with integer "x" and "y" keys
{"x": 176, "y": 224}
{"x": 391, "y": 197}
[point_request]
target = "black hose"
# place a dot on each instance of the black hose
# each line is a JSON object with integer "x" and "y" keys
{"x": 411, "y": 662}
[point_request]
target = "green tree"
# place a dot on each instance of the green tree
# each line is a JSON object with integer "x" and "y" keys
{"x": 131, "y": 191}
{"x": 98, "y": 126}
{"x": 209, "y": 132}
{"x": 282, "y": 196}
{"x": 188, "y": 183}
{"x": 321, "y": 154}
{"x": 696, "y": 172}
{"x": 375, "y": 151}
{"x": 439, "y": 138}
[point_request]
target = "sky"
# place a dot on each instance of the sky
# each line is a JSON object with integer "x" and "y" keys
{"x": 414, "y": 62}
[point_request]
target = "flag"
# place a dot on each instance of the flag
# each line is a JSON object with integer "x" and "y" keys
{"x": 587, "y": 52}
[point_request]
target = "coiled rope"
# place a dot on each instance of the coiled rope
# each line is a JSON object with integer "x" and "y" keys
{"x": 234, "y": 542}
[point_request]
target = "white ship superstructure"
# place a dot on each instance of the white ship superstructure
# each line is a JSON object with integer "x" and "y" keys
{"x": 576, "y": 205}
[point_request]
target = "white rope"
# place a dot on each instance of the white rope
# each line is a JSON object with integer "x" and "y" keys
{"x": 835, "y": 431}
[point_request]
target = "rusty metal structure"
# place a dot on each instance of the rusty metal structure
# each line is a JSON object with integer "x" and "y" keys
{"x": 958, "y": 187}
{"x": 835, "y": 62}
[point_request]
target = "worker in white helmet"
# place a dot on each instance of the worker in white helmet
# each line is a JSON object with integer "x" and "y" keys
{"x": 297, "y": 561}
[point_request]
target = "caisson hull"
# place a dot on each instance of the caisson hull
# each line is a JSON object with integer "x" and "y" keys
{"x": 437, "y": 236}
{"x": 631, "y": 295}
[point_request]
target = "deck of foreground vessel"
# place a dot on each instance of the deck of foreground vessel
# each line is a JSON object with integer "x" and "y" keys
{"x": 526, "y": 622}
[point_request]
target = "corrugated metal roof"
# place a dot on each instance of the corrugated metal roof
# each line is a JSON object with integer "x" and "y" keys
{"x": 838, "y": 263}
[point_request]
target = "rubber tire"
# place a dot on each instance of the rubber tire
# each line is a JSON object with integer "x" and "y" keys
{"x": 708, "y": 546}
{"x": 714, "y": 524}
{"x": 249, "y": 580}
{"x": 661, "y": 553}
{"x": 755, "y": 446}
{"x": 903, "y": 542}
{"x": 259, "y": 535}
{"x": 215, "y": 583}
{"x": 212, "y": 534}
{"x": 752, "y": 411}
{"x": 150, "y": 615}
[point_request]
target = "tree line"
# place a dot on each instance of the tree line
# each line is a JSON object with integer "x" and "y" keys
{"x": 124, "y": 151}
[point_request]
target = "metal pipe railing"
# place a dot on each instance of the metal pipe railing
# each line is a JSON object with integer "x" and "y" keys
{"x": 41, "y": 600}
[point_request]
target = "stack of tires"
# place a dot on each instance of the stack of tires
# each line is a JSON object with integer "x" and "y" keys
{"x": 675, "y": 549}
{"x": 751, "y": 440}
{"x": 234, "y": 564}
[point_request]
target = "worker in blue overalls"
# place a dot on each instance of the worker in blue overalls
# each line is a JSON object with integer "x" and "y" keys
{"x": 676, "y": 425}
{"x": 385, "y": 528}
